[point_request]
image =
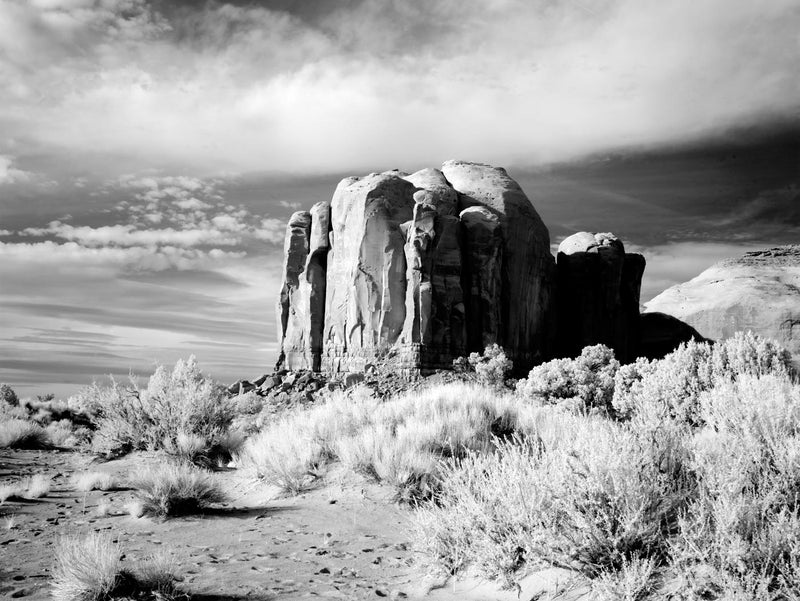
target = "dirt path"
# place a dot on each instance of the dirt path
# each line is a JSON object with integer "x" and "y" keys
{"x": 344, "y": 541}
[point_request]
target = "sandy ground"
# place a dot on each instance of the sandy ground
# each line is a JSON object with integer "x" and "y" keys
{"x": 346, "y": 540}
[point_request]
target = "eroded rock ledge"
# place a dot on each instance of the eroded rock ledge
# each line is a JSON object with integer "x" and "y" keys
{"x": 418, "y": 269}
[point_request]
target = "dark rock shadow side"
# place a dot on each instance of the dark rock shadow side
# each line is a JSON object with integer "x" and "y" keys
{"x": 661, "y": 334}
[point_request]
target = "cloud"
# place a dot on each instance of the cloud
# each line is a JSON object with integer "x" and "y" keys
{"x": 11, "y": 175}
{"x": 387, "y": 83}
{"x": 72, "y": 255}
{"x": 127, "y": 235}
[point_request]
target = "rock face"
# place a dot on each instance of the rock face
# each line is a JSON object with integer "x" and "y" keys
{"x": 526, "y": 269}
{"x": 598, "y": 288}
{"x": 417, "y": 269}
{"x": 661, "y": 334}
{"x": 759, "y": 292}
{"x": 292, "y": 317}
{"x": 365, "y": 305}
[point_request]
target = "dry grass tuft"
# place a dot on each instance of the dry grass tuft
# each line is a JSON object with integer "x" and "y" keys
{"x": 175, "y": 489}
{"x": 37, "y": 486}
{"x": 22, "y": 434}
{"x": 90, "y": 568}
{"x": 11, "y": 491}
{"x": 34, "y": 487}
{"x": 87, "y": 569}
{"x": 93, "y": 481}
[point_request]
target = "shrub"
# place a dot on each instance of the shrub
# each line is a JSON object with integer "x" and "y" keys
{"x": 175, "y": 489}
{"x": 743, "y": 528}
{"x": 22, "y": 434}
{"x": 90, "y": 568}
{"x": 582, "y": 492}
{"x": 400, "y": 441}
{"x": 671, "y": 387}
{"x": 182, "y": 412}
{"x": 636, "y": 580}
{"x": 491, "y": 367}
{"x": 8, "y": 396}
{"x": 582, "y": 383}
{"x": 93, "y": 481}
{"x": 63, "y": 433}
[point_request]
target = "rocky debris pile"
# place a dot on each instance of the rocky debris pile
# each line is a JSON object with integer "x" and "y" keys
{"x": 286, "y": 389}
{"x": 759, "y": 291}
{"x": 414, "y": 270}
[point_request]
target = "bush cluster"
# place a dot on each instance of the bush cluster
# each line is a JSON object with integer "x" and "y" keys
{"x": 399, "y": 441}
{"x": 688, "y": 477}
{"x": 583, "y": 383}
{"x": 490, "y": 367}
{"x": 180, "y": 411}
{"x": 43, "y": 422}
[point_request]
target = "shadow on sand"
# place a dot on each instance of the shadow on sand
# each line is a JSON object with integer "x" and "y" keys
{"x": 243, "y": 512}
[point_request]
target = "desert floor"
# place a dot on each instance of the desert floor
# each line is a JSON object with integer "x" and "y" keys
{"x": 343, "y": 540}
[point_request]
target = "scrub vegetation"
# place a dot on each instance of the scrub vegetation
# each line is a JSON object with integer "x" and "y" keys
{"x": 679, "y": 474}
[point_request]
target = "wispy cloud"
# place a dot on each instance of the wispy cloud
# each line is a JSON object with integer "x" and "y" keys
{"x": 80, "y": 301}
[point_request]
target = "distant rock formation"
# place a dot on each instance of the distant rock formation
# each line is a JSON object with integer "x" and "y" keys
{"x": 759, "y": 292}
{"x": 598, "y": 295}
{"x": 417, "y": 269}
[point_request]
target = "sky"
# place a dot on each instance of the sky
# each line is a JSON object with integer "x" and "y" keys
{"x": 151, "y": 151}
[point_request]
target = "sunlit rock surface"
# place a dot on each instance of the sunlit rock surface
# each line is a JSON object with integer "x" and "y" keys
{"x": 759, "y": 291}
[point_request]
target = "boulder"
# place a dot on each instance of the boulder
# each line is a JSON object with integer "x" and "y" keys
{"x": 434, "y": 190}
{"x": 759, "y": 292}
{"x": 527, "y": 269}
{"x": 598, "y": 288}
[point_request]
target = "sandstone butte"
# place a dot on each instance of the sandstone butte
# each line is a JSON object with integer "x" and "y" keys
{"x": 415, "y": 270}
{"x": 759, "y": 291}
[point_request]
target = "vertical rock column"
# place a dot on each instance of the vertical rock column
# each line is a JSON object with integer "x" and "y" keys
{"x": 448, "y": 338}
{"x": 420, "y": 238}
{"x": 366, "y": 277}
{"x": 311, "y": 291}
{"x": 483, "y": 254}
{"x": 527, "y": 270}
{"x": 291, "y": 318}
{"x": 598, "y": 287}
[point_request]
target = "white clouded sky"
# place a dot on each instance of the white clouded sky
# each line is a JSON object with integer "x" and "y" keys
{"x": 145, "y": 146}
{"x": 231, "y": 88}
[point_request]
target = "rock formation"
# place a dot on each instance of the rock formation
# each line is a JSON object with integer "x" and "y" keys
{"x": 526, "y": 267}
{"x": 292, "y": 316}
{"x": 759, "y": 292}
{"x": 661, "y": 334}
{"x": 598, "y": 295}
{"x": 417, "y": 269}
